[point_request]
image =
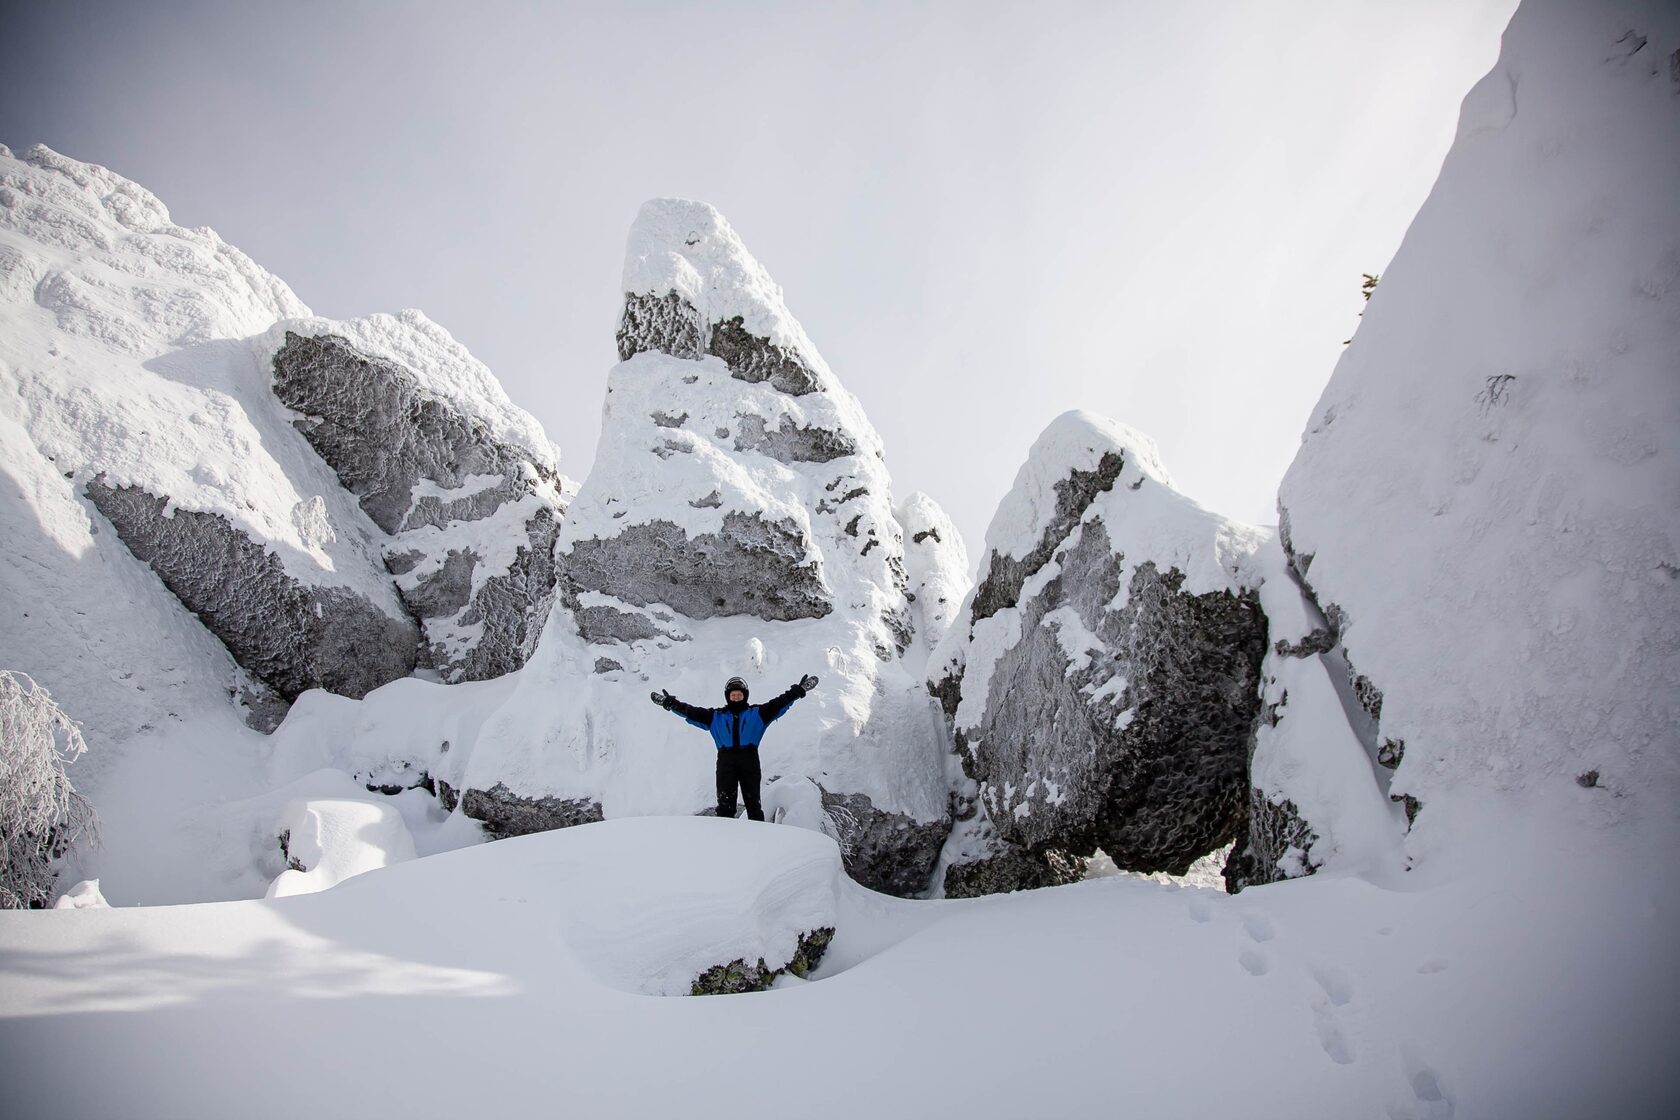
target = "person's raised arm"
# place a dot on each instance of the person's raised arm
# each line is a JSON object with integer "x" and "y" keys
{"x": 772, "y": 709}
{"x": 698, "y": 716}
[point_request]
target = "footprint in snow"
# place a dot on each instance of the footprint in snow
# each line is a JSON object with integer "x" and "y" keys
{"x": 1258, "y": 926}
{"x": 1429, "y": 1098}
{"x": 1335, "y": 983}
{"x": 1331, "y": 1036}
{"x": 1200, "y": 907}
{"x": 1257, "y": 963}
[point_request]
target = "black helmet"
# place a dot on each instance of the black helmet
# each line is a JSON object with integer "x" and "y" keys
{"x": 734, "y": 684}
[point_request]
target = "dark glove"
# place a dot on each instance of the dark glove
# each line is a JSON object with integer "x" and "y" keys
{"x": 662, "y": 698}
{"x": 807, "y": 683}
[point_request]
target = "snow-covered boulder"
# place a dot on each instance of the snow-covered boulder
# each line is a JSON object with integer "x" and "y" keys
{"x": 466, "y": 485}
{"x": 326, "y": 840}
{"x": 733, "y": 524}
{"x": 1486, "y": 502}
{"x": 1104, "y": 678}
{"x": 132, "y": 398}
{"x": 85, "y": 895}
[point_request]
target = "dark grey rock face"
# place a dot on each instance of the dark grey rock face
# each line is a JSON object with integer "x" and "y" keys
{"x": 289, "y": 635}
{"x": 372, "y": 423}
{"x": 1006, "y": 574}
{"x": 752, "y": 358}
{"x": 671, "y": 325}
{"x": 512, "y": 606}
{"x": 791, "y": 444}
{"x": 753, "y": 567}
{"x": 667, "y": 323}
{"x": 385, "y": 436}
{"x": 1061, "y": 762}
{"x": 607, "y": 624}
{"x": 447, "y": 591}
{"x": 887, "y": 852}
{"x": 1014, "y": 869}
{"x": 757, "y": 976}
{"x": 1269, "y": 830}
{"x": 505, "y": 813}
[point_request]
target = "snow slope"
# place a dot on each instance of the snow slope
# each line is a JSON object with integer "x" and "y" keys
{"x": 503, "y": 979}
{"x": 1487, "y": 497}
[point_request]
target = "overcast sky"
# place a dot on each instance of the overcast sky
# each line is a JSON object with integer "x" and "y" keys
{"x": 983, "y": 214}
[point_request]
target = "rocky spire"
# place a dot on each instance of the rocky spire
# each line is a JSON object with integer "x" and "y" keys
{"x": 738, "y": 520}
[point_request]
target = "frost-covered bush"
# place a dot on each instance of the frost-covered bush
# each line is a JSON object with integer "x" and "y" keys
{"x": 41, "y": 813}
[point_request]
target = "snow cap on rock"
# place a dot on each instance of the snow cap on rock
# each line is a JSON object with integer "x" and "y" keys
{"x": 691, "y": 289}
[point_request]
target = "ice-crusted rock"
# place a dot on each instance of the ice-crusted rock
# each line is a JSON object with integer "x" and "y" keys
{"x": 749, "y": 565}
{"x": 936, "y": 561}
{"x": 125, "y": 358}
{"x": 1105, "y": 674}
{"x": 1012, "y": 869}
{"x": 738, "y": 520}
{"x": 1486, "y": 502}
{"x": 505, "y": 813}
{"x": 465, "y": 484}
{"x": 292, "y": 636}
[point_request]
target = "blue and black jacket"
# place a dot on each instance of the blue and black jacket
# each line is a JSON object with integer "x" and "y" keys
{"x": 736, "y": 727}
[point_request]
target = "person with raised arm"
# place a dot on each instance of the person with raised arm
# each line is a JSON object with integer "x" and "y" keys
{"x": 737, "y": 729}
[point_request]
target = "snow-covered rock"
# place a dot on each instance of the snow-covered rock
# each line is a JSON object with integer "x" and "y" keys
{"x": 1107, "y": 678}
{"x": 84, "y": 895}
{"x": 326, "y": 840}
{"x": 691, "y": 289}
{"x": 1486, "y": 502}
{"x": 140, "y": 363}
{"x": 732, "y": 525}
{"x": 466, "y": 485}
{"x": 124, "y": 375}
{"x": 1318, "y": 793}
{"x": 936, "y": 560}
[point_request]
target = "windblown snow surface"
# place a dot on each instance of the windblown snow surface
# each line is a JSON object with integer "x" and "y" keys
{"x": 1522, "y": 967}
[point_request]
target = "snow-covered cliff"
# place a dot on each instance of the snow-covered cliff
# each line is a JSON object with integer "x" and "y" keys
{"x": 1486, "y": 503}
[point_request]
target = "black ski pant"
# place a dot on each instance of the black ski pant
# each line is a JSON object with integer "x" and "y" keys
{"x": 738, "y": 766}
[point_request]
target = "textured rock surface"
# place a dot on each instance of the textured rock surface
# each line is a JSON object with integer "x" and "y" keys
{"x": 757, "y": 976}
{"x": 751, "y": 566}
{"x": 289, "y": 635}
{"x": 505, "y": 813}
{"x": 885, "y": 851}
{"x": 1272, "y": 842}
{"x": 1110, "y": 678}
{"x": 1013, "y": 869}
{"x": 670, "y": 324}
{"x": 473, "y": 509}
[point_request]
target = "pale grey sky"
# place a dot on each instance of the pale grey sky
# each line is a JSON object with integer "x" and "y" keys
{"x": 984, "y": 214}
